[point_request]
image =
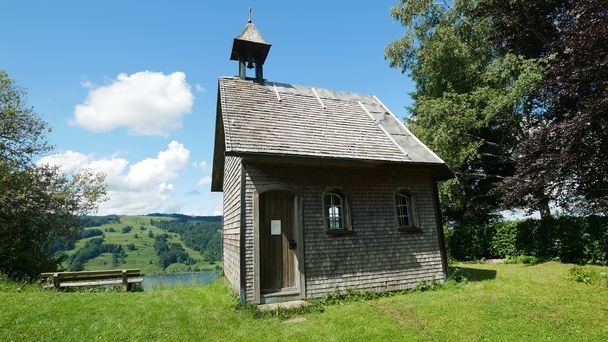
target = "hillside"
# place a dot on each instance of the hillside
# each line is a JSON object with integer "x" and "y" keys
{"x": 154, "y": 244}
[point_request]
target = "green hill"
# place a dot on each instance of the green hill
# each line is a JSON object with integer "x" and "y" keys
{"x": 154, "y": 244}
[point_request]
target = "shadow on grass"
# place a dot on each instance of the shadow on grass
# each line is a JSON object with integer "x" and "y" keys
{"x": 472, "y": 274}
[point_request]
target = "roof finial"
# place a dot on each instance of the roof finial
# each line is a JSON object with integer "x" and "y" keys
{"x": 249, "y": 15}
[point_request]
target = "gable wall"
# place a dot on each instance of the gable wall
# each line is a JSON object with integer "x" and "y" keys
{"x": 232, "y": 220}
{"x": 377, "y": 256}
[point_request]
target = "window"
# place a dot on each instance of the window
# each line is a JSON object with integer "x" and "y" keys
{"x": 336, "y": 213}
{"x": 405, "y": 207}
{"x": 403, "y": 210}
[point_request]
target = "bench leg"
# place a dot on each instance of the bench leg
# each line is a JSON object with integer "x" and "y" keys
{"x": 56, "y": 281}
{"x": 125, "y": 281}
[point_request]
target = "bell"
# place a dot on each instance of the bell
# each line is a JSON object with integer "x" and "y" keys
{"x": 249, "y": 65}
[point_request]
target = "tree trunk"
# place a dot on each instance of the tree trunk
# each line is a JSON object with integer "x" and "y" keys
{"x": 543, "y": 208}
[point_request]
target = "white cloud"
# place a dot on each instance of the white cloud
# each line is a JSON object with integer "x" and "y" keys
{"x": 204, "y": 181}
{"x": 87, "y": 84}
{"x": 139, "y": 188}
{"x": 200, "y": 88}
{"x": 204, "y": 166}
{"x": 206, "y": 204}
{"x": 67, "y": 161}
{"x": 146, "y": 102}
{"x": 219, "y": 209}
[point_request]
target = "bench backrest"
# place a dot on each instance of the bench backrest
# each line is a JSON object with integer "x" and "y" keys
{"x": 91, "y": 275}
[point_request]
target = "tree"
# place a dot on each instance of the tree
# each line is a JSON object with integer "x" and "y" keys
{"x": 470, "y": 102}
{"x": 38, "y": 204}
{"x": 567, "y": 156}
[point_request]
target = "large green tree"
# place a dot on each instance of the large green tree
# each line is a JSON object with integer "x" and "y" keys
{"x": 470, "y": 103}
{"x": 38, "y": 204}
{"x": 567, "y": 156}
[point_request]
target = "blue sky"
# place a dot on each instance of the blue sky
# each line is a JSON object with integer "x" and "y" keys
{"x": 151, "y": 128}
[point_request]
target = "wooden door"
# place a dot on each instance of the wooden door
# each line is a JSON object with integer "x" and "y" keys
{"x": 277, "y": 241}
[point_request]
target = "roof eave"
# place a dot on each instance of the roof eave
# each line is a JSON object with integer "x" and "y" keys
{"x": 439, "y": 171}
{"x": 217, "y": 172}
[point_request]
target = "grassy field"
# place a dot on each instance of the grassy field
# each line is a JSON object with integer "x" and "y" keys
{"x": 499, "y": 303}
{"x": 144, "y": 256}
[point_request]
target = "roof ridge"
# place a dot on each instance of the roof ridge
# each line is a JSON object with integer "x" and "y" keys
{"x": 293, "y": 85}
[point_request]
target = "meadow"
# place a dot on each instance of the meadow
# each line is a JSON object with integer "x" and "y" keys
{"x": 497, "y": 302}
{"x": 141, "y": 236}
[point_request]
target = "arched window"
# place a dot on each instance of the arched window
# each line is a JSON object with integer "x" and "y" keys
{"x": 336, "y": 213}
{"x": 334, "y": 210}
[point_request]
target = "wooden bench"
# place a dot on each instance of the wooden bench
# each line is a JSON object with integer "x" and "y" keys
{"x": 126, "y": 278}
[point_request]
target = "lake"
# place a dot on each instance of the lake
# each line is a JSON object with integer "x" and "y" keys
{"x": 176, "y": 279}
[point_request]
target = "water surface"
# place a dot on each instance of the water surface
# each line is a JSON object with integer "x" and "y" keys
{"x": 176, "y": 279}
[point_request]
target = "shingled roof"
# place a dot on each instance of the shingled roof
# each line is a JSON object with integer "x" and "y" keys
{"x": 250, "y": 33}
{"x": 278, "y": 119}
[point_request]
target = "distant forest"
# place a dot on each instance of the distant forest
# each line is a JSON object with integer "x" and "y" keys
{"x": 94, "y": 248}
{"x": 186, "y": 217}
{"x": 68, "y": 242}
{"x": 201, "y": 233}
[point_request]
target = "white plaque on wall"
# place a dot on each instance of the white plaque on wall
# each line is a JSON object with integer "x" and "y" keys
{"x": 275, "y": 227}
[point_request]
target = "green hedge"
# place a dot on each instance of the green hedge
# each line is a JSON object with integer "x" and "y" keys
{"x": 568, "y": 239}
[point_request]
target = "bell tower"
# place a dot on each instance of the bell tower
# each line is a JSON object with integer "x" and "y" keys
{"x": 250, "y": 48}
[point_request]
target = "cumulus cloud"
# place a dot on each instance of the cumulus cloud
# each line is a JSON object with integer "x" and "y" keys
{"x": 146, "y": 102}
{"x": 205, "y": 204}
{"x": 200, "y": 88}
{"x": 204, "y": 181}
{"x": 204, "y": 166}
{"x": 138, "y": 188}
{"x": 67, "y": 161}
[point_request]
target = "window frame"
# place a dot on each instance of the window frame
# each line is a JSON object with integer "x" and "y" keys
{"x": 346, "y": 227}
{"x": 412, "y": 210}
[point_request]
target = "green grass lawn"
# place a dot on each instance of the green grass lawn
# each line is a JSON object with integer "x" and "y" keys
{"x": 144, "y": 257}
{"x": 499, "y": 303}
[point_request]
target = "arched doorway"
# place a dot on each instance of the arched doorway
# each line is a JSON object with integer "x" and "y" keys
{"x": 277, "y": 242}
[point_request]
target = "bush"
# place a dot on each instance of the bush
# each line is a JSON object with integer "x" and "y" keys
{"x": 87, "y": 233}
{"x": 523, "y": 259}
{"x": 126, "y": 229}
{"x": 584, "y": 275}
{"x": 469, "y": 241}
{"x": 578, "y": 240}
{"x": 504, "y": 240}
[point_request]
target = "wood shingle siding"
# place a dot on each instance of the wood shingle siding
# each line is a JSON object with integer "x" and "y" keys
{"x": 232, "y": 220}
{"x": 377, "y": 256}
